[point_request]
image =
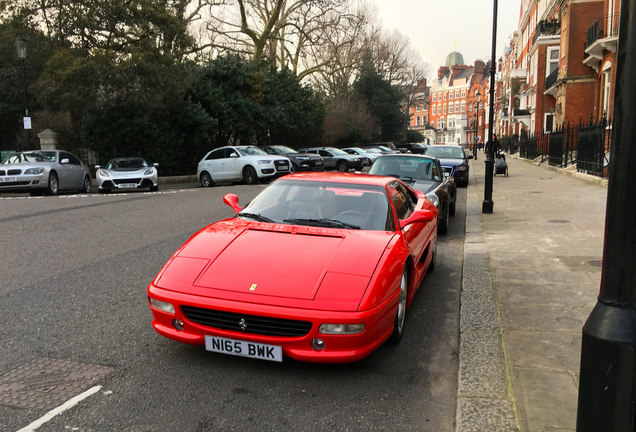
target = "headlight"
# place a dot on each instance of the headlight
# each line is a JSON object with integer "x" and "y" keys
{"x": 34, "y": 171}
{"x": 264, "y": 162}
{"x": 433, "y": 198}
{"x": 103, "y": 173}
{"x": 149, "y": 171}
{"x": 341, "y": 329}
{"x": 161, "y": 305}
{"x": 461, "y": 168}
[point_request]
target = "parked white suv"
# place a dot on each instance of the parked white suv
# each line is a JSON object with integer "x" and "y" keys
{"x": 235, "y": 163}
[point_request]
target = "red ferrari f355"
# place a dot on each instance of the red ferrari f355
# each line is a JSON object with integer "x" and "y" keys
{"x": 319, "y": 267}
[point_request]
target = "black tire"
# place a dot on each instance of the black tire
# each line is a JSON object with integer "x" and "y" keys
{"x": 249, "y": 175}
{"x": 400, "y": 316}
{"x": 451, "y": 206}
{"x": 53, "y": 187}
{"x": 442, "y": 226}
{"x": 431, "y": 266}
{"x": 206, "y": 179}
{"x": 86, "y": 186}
{"x": 154, "y": 188}
{"x": 342, "y": 166}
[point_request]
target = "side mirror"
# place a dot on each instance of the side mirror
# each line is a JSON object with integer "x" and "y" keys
{"x": 156, "y": 165}
{"x": 233, "y": 201}
{"x": 233, "y": 155}
{"x": 97, "y": 167}
{"x": 64, "y": 161}
{"x": 418, "y": 216}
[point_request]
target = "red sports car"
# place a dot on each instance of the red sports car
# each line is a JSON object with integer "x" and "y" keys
{"x": 319, "y": 267}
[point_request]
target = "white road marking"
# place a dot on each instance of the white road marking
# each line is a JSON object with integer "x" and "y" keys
{"x": 113, "y": 195}
{"x": 65, "y": 406}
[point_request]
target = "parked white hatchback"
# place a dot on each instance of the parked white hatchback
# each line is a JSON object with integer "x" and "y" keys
{"x": 235, "y": 163}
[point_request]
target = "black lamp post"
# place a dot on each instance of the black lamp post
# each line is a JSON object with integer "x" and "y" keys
{"x": 487, "y": 205}
{"x": 21, "y": 50}
{"x": 607, "y": 390}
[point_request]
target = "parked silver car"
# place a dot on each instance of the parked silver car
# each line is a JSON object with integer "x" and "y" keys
{"x": 126, "y": 173}
{"x": 44, "y": 172}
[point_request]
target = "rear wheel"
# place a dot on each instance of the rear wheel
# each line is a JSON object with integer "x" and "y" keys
{"x": 400, "y": 316}
{"x": 206, "y": 179}
{"x": 86, "y": 186}
{"x": 249, "y": 175}
{"x": 443, "y": 221}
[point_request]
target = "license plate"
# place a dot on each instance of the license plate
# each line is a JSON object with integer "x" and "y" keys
{"x": 244, "y": 348}
{"x": 128, "y": 185}
{"x": 446, "y": 174}
{"x": 8, "y": 179}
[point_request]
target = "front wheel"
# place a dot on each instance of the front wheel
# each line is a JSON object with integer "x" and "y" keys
{"x": 400, "y": 316}
{"x": 53, "y": 185}
{"x": 443, "y": 222}
{"x": 342, "y": 166}
{"x": 249, "y": 176}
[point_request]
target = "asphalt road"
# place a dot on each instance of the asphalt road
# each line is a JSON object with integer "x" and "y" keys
{"x": 74, "y": 271}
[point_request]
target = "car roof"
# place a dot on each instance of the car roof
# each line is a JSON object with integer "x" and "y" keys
{"x": 407, "y": 155}
{"x": 340, "y": 177}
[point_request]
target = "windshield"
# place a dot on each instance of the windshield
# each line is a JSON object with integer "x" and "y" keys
{"x": 373, "y": 150}
{"x": 126, "y": 163}
{"x": 322, "y": 204}
{"x": 445, "y": 152}
{"x": 337, "y": 151}
{"x": 249, "y": 151}
{"x": 32, "y": 156}
{"x": 284, "y": 149}
{"x": 407, "y": 167}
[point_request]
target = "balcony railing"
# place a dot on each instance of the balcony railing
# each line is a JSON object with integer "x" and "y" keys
{"x": 602, "y": 27}
{"x": 551, "y": 79}
{"x": 546, "y": 28}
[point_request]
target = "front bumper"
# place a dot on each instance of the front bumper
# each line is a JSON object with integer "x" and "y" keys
{"x": 21, "y": 182}
{"x": 109, "y": 183}
{"x": 337, "y": 348}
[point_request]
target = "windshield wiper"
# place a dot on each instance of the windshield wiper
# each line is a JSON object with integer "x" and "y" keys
{"x": 323, "y": 222}
{"x": 256, "y": 216}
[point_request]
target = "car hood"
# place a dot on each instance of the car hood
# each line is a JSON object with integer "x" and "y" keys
{"x": 450, "y": 162}
{"x": 304, "y": 155}
{"x": 279, "y": 265}
{"x": 424, "y": 186}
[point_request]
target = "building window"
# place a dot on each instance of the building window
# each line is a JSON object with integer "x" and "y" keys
{"x": 441, "y": 123}
{"x": 433, "y": 125}
{"x": 444, "y": 108}
{"x": 552, "y": 60}
{"x": 463, "y": 106}
{"x": 417, "y": 108}
{"x": 434, "y": 110}
{"x": 439, "y": 109}
{"x": 456, "y": 94}
{"x": 463, "y": 93}
{"x": 434, "y": 97}
{"x": 417, "y": 121}
{"x": 456, "y": 107}
{"x": 444, "y": 95}
{"x": 607, "y": 82}
{"x": 450, "y": 95}
{"x": 450, "y": 108}
{"x": 548, "y": 122}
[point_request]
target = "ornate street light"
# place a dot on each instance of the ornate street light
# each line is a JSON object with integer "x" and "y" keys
{"x": 21, "y": 50}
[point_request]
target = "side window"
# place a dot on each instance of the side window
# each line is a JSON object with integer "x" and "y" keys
{"x": 324, "y": 153}
{"x": 216, "y": 154}
{"x": 403, "y": 200}
{"x": 64, "y": 155}
{"x": 73, "y": 159}
{"x": 230, "y": 153}
{"x": 437, "y": 176}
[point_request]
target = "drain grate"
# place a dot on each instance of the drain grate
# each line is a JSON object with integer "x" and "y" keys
{"x": 595, "y": 263}
{"x": 559, "y": 221}
{"x": 46, "y": 383}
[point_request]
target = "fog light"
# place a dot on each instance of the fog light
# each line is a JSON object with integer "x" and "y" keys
{"x": 318, "y": 344}
{"x": 177, "y": 324}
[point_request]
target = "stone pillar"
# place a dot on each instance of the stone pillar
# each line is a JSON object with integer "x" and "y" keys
{"x": 48, "y": 140}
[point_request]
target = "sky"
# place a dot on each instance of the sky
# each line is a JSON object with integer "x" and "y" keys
{"x": 438, "y": 27}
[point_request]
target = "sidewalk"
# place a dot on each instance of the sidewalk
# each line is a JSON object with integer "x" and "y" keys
{"x": 531, "y": 277}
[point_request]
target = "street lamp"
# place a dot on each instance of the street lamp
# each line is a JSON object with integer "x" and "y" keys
{"x": 487, "y": 205}
{"x": 21, "y": 50}
{"x": 476, "y": 106}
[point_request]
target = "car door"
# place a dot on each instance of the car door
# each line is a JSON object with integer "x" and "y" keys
{"x": 330, "y": 161}
{"x": 68, "y": 172}
{"x": 232, "y": 164}
{"x": 404, "y": 202}
{"x": 214, "y": 164}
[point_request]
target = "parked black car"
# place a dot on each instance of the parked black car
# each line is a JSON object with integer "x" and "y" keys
{"x": 453, "y": 160}
{"x": 417, "y": 148}
{"x": 423, "y": 173}
{"x": 335, "y": 158}
{"x": 299, "y": 161}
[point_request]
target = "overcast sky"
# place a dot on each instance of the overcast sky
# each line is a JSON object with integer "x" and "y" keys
{"x": 434, "y": 26}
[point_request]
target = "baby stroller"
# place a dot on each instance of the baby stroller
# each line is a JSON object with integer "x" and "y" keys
{"x": 501, "y": 166}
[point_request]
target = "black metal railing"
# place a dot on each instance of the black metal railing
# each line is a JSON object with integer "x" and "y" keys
{"x": 584, "y": 145}
{"x": 602, "y": 27}
{"x": 551, "y": 79}
{"x": 546, "y": 28}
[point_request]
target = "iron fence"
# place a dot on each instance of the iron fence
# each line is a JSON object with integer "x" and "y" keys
{"x": 584, "y": 145}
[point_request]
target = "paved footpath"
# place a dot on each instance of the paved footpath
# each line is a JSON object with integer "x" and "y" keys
{"x": 531, "y": 277}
